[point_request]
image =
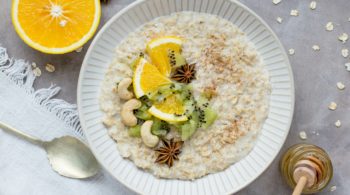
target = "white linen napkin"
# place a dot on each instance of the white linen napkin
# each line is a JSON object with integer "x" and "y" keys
{"x": 24, "y": 168}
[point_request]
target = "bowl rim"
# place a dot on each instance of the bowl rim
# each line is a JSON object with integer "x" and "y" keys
{"x": 137, "y": 2}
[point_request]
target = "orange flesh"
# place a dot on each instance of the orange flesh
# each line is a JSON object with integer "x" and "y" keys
{"x": 152, "y": 79}
{"x": 73, "y": 19}
{"x": 172, "y": 104}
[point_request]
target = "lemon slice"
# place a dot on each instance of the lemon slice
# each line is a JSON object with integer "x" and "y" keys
{"x": 147, "y": 78}
{"x": 58, "y": 26}
{"x": 171, "y": 110}
{"x": 159, "y": 50}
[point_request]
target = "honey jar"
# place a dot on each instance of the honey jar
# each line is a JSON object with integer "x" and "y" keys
{"x": 307, "y": 165}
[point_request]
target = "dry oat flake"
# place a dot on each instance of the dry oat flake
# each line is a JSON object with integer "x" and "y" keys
{"x": 347, "y": 66}
{"x": 291, "y": 51}
{"x": 329, "y": 26}
{"x": 343, "y": 37}
{"x": 79, "y": 49}
{"x": 276, "y": 1}
{"x": 332, "y": 106}
{"x": 37, "y": 72}
{"x": 333, "y": 188}
{"x": 345, "y": 53}
{"x": 50, "y": 68}
{"x": 337, "y": 123}
{"x": 33, "y": 64}
{"x": 294, "y": 12}
{"x": 313, "y": 5}
{"x": 279, "y": 19}
{"x": 340, "y": 86}
{"x": 302, "y": 135}
{"x": 316, "y": 47}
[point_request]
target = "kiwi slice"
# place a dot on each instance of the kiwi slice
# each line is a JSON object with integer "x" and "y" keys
{"x": 142, "y": 113}
{"x": 188, "y": 129}
{"x": 135, "y": 131}
{"x": 160, "y": 128}
{"x": 209, "y": 117}
{"x": 175, "y": 59}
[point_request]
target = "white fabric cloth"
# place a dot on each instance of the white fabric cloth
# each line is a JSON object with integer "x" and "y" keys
{"x": 24, "y": 168}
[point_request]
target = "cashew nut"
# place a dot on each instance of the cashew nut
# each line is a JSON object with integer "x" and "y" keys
{"x": 127, "y": 114}
{"x": 123, "y": 91}
{"x": 148, "y": 138}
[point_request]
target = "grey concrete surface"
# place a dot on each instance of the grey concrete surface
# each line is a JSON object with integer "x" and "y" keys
{"x": 315, "y": 73}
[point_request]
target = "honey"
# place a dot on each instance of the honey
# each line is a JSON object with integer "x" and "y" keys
{"x": 315, "y": 155}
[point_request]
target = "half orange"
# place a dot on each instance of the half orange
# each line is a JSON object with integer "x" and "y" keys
{"x": 56, "y": 26}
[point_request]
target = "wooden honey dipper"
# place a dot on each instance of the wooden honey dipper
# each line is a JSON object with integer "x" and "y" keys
{"x": 307, "y": 173}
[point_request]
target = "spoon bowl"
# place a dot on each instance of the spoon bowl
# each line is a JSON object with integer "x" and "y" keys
{"x": 71, "y": 158}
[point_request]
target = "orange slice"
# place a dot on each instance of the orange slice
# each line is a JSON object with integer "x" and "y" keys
{"x": 147, "y": 78}
{"x": 56, "y": 26}
{"x": 159, "y": 50}
{"x": 171, "y": 110}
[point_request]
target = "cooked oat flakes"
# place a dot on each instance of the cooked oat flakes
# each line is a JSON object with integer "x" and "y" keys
{"x": 225, "y": 61}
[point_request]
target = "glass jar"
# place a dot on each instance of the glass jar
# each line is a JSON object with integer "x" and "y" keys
{"x": 306, "y": 152}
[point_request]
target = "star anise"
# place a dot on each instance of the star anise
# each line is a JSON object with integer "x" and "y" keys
{"x": 185, "y": 73}
{"x": 169, "y": 152}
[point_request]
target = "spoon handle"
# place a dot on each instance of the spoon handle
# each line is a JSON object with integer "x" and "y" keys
{"x": 21, "y": 134}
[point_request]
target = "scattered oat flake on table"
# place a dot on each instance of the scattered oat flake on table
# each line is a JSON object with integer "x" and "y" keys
{"x": 332, "y": 106}
{"x": 343, "y": 37}
{"x": 347, "y": 66}
{"x": 316, "y": 47}
{"x": 291, "y": 51}
{"x": 79, "y": 49}
{"x": 329, "y": 26}
{"x": 50, "y": 68}
{"x": 313, "y": 5}
{"x": 337, "y": 123}
{"x": 345, "y": 53}
{"x": 316, "y": 133}
{"x": 340, "y": 86}
{"x": 333, "y": 188}
{"x": 37, "y": 72}
{"x": 279, "y": 19}
{"x": 33, "y": 64}
{"x": 302, "y": 135}
{"x": 294, "y": 12}
{"x": 276, "y": 1}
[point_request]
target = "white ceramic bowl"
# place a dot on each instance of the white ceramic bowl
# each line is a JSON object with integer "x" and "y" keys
{"x": 237, "y": 176}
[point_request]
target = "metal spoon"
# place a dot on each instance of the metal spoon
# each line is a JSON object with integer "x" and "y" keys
{"x": 67, "y": 155}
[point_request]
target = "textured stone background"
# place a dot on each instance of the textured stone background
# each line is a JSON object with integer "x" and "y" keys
{"x": 315, "y": 73}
